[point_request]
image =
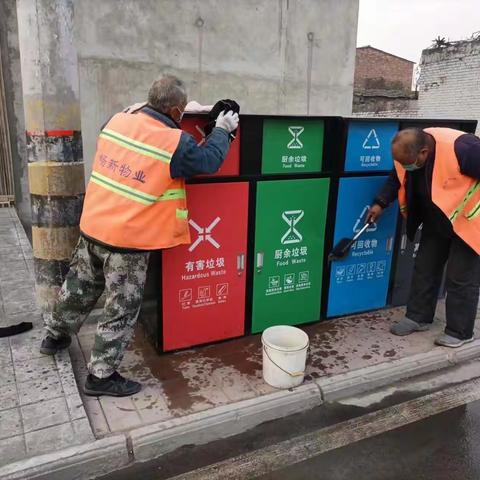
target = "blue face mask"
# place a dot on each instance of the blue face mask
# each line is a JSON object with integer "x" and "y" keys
{"x": 411, "y": 168}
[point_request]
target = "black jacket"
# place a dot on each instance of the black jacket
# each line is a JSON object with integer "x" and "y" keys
{"x": 467, "y": 150}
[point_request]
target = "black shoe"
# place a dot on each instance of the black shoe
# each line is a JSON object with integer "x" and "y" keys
{"x": 50, "y": 345}
{"x": 115, "y": 385}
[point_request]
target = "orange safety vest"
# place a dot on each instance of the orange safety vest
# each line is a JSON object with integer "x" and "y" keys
{"x": 131, "y": 200}
{"x": 457, "y": 195}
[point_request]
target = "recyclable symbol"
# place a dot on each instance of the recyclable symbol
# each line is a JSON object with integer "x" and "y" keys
{"x": 361, "y": 222}
{"x": 295, "y": 142}
{"x": 371, "y": 142}
{"x": 292, "y": 217}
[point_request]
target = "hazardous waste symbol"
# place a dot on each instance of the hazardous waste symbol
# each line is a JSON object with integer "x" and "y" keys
{"x": 204, "y": 234}
{"x": 371, "y": 142}
{"x": 361, "y": 222}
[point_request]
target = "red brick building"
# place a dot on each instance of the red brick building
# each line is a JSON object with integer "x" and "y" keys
{"x": 378, "y": 69}
{"x": 381, "y": 80}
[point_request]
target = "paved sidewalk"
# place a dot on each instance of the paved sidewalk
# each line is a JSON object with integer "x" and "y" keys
{"x": 40, "y": 408}
{"x": 183, "y": 383}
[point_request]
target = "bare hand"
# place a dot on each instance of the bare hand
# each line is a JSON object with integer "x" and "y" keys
{"x": 374, "y": 213}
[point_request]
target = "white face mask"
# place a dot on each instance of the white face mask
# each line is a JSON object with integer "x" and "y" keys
{"x": 181, "y": 114}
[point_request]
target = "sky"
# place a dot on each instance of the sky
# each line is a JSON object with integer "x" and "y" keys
{"x": 406, "y": 27}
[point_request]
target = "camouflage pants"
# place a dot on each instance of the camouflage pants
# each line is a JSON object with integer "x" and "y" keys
{"x": 94, "y": 269}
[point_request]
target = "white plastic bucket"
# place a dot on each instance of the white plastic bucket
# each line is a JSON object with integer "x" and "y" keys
{"x": 284, "y": 356}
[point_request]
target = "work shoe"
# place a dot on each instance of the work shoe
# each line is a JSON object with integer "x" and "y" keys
{"x": 115, "y": 385}
{"x": 406, "y": 326}
{"x": 445, "y": 340}
{"x": 51, "y": 345}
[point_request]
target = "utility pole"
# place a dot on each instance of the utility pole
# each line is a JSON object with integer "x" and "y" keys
{"x": 54, "y": 139}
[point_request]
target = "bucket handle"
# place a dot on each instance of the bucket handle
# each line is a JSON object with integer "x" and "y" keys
{"x": 292, "y": 374}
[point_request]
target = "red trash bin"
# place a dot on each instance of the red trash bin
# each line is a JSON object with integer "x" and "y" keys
{"x": 203, "y": 284}
{"x": 231, "y": 165}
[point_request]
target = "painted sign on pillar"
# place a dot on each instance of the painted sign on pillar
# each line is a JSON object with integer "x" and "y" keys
{"x": 204, "y": 283}
{"x": 369, "y": 146}
{"x": 292, "y": 145}
{"x": 231, "y": 166}
{"x": 289, "y": 240}
{"x": 360, "y": 281}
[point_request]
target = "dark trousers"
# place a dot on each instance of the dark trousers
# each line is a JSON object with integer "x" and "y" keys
{"x": 463, "y": 280}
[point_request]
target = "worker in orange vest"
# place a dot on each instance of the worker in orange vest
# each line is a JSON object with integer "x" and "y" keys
{"x": 437, "y": 182}
{"x": 135, "y": 203}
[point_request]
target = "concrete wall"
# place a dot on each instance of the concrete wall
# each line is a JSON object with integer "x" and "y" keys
{"x": 13, "y": 85}
{"x": 273, "y": 56}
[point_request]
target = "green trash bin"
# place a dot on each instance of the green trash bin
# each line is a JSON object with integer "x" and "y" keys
{"x": 289, "y": 251}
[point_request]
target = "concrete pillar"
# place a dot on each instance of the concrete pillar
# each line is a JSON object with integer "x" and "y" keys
{"x": 53, "y": 135}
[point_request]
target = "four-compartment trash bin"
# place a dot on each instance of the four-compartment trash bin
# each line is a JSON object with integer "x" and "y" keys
{"x": 262, "y": 227}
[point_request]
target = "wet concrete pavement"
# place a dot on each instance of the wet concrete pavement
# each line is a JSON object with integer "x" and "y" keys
{"x": 443, "y": 446}
{"x": 182, "y": 383}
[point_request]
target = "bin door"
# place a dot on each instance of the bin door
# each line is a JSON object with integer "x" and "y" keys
{"x": 203, "y": 284}
{"x": 231, "y": 165}
{"x": 369, "y": 146}
{"x": 360, "y": 282}
{"x": 289, "y": 239}
{"x": 292, "y": 145}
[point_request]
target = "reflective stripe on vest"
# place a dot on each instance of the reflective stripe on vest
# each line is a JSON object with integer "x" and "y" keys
{"x": 475, "y": 187}
{"x": 474, "y": 212}
{"x": 134, "y": 194}
{"x": 135, "y": 146}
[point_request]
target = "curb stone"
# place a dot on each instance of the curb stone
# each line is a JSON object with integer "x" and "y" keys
{"x": 467, "y": 352}
{"x": 199, "y": 428}
{"x": 80, "y": 462}
{"x": 369, "y": 378}
{"x": 376, "y": 376}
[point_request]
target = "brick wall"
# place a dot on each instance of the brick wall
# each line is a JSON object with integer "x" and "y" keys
{"x": 448, "y": 85}
{"x": 380, "y": 103}
{"x": 375, "y": 69}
